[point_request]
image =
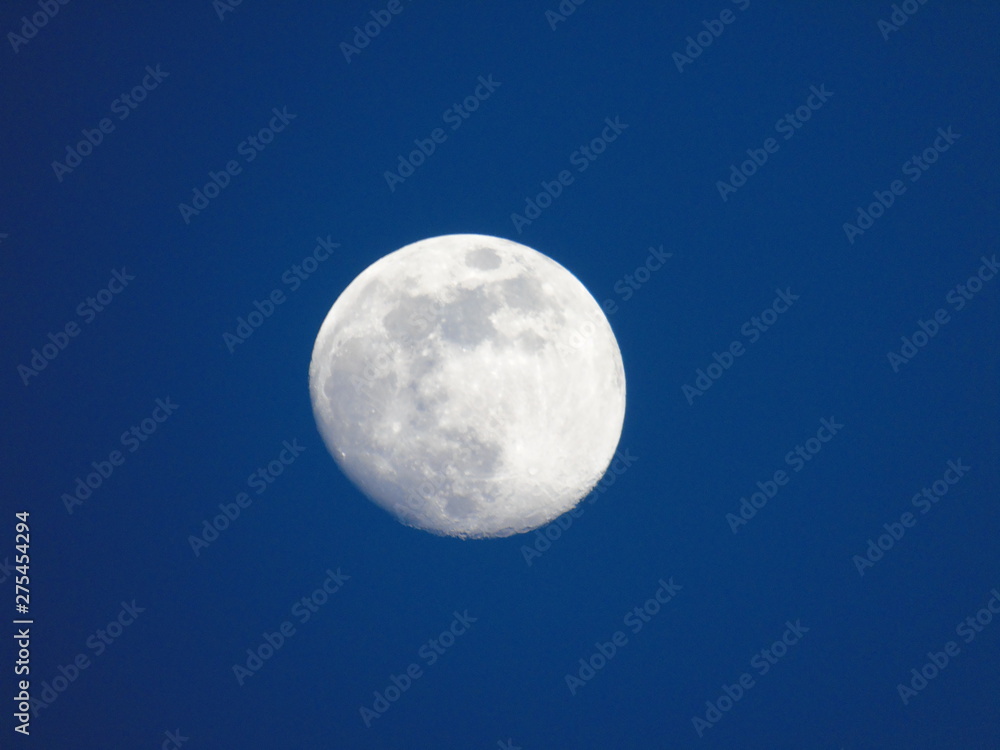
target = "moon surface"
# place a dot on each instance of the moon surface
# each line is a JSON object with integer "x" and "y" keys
{"x": 469, "y": 385}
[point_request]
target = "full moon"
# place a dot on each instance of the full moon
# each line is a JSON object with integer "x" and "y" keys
{"x": 469, "y": 385}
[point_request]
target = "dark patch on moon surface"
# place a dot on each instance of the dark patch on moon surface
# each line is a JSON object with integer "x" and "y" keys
{"x": 483, "y": 258}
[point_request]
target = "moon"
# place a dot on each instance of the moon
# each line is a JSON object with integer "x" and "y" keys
{"x": 469, "y": 385}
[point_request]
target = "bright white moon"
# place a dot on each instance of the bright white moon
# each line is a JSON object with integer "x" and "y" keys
{"x": 469, "y": 385}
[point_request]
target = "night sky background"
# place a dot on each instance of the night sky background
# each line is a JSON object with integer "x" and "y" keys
{"x": 805, "y": 566}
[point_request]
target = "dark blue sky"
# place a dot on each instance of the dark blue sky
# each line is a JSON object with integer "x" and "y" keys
{"x": 848, "y": 376}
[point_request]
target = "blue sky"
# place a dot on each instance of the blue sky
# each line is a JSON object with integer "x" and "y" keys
{"x": 822, "y": 334}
